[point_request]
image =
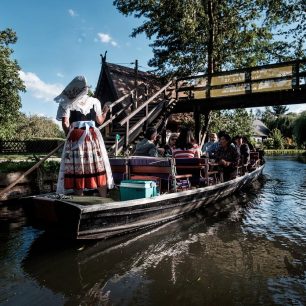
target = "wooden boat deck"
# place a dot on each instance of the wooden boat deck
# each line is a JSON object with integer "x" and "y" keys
{"x": 89, "y": 200}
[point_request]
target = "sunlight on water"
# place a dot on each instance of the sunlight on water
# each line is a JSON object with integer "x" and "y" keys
{"x": 280, "y": 208}
{"x": 246, "y": 250}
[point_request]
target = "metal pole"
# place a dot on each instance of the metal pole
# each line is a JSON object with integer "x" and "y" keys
{"x": 136, "y": 83}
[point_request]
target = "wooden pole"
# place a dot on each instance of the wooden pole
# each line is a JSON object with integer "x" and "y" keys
{"x": 6, "y": 189}
{"x": 205, "y": 128}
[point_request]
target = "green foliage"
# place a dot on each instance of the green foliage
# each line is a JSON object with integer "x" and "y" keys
{"x": 269, "y": 143}
{"x": 13, "y": 166}
{"x": 235, "y": 122}
{"x": 190, "y": 36}
{"x": 51, "y": 166}
{"x": 277, "y": 139}
{"x": 279, "y": 110}
{"x": 30, "y": 127}
{"x": 266, "y": 117}
{"x": 10, "y": 85}
{"x": 289, "y": 143}
{"x": 299, "y": 129}
{"x": 284, "y": 152}
{"x": 284, "y": 123}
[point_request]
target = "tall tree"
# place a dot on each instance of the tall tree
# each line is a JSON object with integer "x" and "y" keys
{"x": 268, "y": 118}
{"x": 10, "y": 85}
{"x": 279, "y": 110}
{"x": 191, "y": 36}
{"x": 284, "y": 123}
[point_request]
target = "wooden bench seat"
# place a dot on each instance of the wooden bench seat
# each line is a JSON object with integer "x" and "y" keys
{"x": 161, "y": 170}
{"x": 200, "y": 168}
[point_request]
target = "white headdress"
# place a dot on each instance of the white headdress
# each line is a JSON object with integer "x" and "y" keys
{"x": 75, "y": 94}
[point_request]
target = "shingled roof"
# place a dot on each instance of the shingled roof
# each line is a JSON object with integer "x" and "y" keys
{"x": 115, "y": 81}
{"x": 260, "y": 129}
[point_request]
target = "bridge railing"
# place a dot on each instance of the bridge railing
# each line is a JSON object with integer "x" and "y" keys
{"x": 273, "y": 77}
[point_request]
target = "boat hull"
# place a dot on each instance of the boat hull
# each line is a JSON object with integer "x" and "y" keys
{"x": 101, "y": 221}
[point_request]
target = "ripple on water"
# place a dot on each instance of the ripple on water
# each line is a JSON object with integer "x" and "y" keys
{"x": 280, "y": 208}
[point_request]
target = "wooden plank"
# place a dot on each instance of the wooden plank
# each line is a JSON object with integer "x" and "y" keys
{"x": 228, "y": 79}
{"x": 270, "y": 73}
{"x": 271, "y": 86}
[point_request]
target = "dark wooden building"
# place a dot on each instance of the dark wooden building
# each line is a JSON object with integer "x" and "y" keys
{"x": 115, "y": 81}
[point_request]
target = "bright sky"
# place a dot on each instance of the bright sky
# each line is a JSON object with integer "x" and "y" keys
{"x": 58, "y": 40}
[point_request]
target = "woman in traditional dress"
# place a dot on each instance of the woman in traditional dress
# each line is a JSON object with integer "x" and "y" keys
{"x": 84, "y": 161}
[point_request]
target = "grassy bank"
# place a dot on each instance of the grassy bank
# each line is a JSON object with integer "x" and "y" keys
{"x": 25, "y": 157}
{"x": 285, "y": 152}
{"x": 23, "y": 165}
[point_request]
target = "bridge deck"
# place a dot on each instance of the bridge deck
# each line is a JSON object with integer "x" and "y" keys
{"x": 275, "y": 84}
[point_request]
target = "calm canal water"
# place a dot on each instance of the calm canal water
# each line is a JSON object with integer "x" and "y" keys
{"x": 251, "y": 252}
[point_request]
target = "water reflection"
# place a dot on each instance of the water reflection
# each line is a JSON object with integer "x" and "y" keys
{"x": 247, "y": 249}
{"x": 184, "y": 259}
{"x": 205, "y": 258}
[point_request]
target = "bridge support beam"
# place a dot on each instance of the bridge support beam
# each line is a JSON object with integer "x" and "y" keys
{"x": 205, "y": 127}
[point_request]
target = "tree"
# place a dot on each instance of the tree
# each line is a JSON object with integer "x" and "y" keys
{"x": 299, "y": 129}
{"x": 277, "y": 138}
{"x": 10, "y": 85}
{"x": 35, "y": 126}
{"x": 236, "y": 122}
{"x": 268, "y": 118}
{"x": 284, "y": 123}
{"x": 279, "y": 110}
{"x": 191, "y": 36}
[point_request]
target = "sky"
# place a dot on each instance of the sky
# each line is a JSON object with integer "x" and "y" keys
{"x": 60, "y": 39}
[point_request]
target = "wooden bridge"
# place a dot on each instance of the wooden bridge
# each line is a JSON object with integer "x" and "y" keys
{"x": 275, "y": 84}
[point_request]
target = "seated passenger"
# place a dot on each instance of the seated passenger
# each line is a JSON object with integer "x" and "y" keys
{"x": 243, "y": 149}
{"x": 185, "y": 145}
{"x": 215, "y": 146}
{"x": 245, "y": 140}
{"x": 213, "y": 140}
{"x": 147, "y": 147}
{"x": 170, "y": 146}
{"x": 227, "y": 157}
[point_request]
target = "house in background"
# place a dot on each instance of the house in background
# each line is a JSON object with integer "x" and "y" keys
{"x": 260, "y": 131}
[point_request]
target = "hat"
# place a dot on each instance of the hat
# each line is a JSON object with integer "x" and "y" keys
{"x": 77, "y": 87}
{"x": 75, "y": 93}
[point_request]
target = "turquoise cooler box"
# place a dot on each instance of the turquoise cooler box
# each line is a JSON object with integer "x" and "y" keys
{"x": 134, "y": 189}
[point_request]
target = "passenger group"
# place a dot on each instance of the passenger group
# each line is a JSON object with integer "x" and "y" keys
{"x": 227, "y": 152}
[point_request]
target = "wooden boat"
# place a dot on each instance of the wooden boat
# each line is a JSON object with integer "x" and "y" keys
{"x": 91, "y": 217}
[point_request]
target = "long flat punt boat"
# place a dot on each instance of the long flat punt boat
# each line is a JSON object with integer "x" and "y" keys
{"x": 91, "y": 217}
